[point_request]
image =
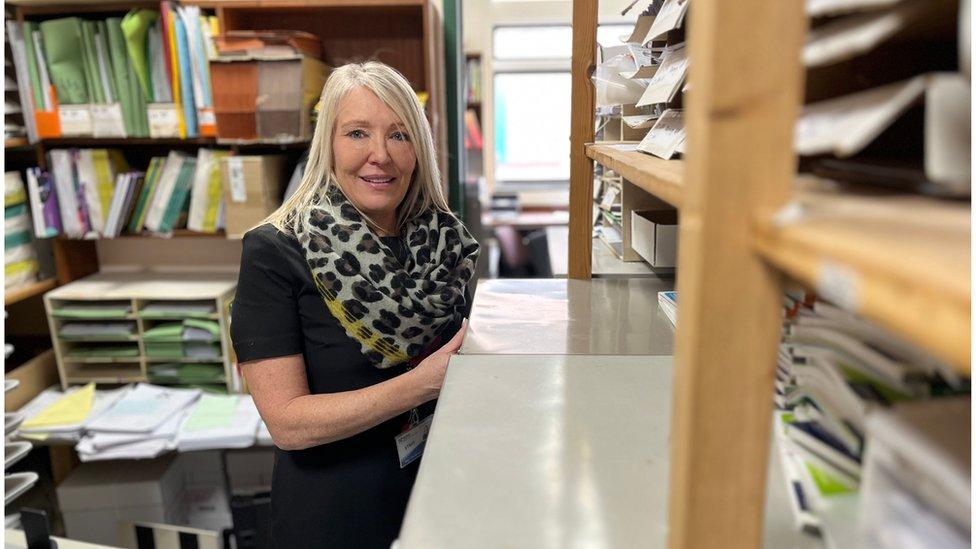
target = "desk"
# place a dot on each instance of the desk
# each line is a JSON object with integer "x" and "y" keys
{"x": 618, "y": 316}
{"x": 605, "y": 264}
{"x": 525, "y": 220}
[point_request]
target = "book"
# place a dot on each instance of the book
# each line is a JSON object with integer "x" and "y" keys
{"x": 73, "y": 219}
{"x": 178, "y": 200}
{"x": 44, "y": 203}
{"x": 164, "y": 190}
{"x": 206, "y": 195}
{"x": 148, "y": 190}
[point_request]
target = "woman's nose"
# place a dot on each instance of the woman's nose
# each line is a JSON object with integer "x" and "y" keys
{"x": 378, "y": 153}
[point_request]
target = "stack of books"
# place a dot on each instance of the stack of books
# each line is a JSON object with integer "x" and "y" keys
{"x": 835, "y": 372}
{"x": 20, "y": 257}
{"x": 92, "y": 193}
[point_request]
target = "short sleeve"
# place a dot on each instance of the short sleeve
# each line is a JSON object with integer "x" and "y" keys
{"x": 264, "y": 318}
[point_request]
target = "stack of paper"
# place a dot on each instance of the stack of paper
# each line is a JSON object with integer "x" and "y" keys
{"x": 101, "y": 331}
{"x": 20, "y": 258}
{"x": 141, "y": 425}
{"x": 62, "y": 416}
{"x": 177, "y": 309}
{"x": 220, "y": 421}
{"x": 917, "y": 482}
{"x": 668, "y": 301}
{"x": 834, "y": 371}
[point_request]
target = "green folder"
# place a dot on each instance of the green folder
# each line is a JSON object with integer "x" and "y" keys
{"x": 169, "y": 332}
{"x": 120, "y": 69}
{"x": 91, "y": 63}
{"x": 79, "y": 313}
{"x": 155, "y": 349}
{"x": 211, "y": 326}
{"x": 101, "y": 43}
{"x": 180, "y": 196}
{"x": 32, "y": 69}
{"x": 65, "y": 62}
{"x": 103, "y": 351}
{"x": 135, "y": 25}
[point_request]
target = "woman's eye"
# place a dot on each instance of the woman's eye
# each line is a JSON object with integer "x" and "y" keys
{"x": 400, "y": 136}
{"x": 357, "y": 134}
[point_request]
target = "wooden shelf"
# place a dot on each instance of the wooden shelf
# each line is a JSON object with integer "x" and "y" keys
{"x": 166, "y": 142}
{"x": 901, "y": 261}
{"x": 15, "y": 143}
{"x": 662, "y": 178}
{"x": 30, "y": 290}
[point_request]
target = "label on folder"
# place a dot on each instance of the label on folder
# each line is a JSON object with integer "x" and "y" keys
{"x": 107, "y": 120}
{"x": 76, "y": 120}
{"x": 235, "y": 172}
{"x": 164, "y": 120}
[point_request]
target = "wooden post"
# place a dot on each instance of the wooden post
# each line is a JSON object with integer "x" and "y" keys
{"x": 745, "y": 94}
{"x": 581, "y": 133}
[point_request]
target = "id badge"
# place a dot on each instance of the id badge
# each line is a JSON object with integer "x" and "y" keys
{"x": 410, "y": 443}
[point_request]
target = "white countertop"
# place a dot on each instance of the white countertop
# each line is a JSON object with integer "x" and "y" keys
{"x": 617, "y": 316}
{"x": 545, "y": 452}
{"x": 557, "y": 452}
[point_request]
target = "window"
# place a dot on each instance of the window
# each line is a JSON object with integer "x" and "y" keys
{"x": 532, "y": 126}
{"x": 532, "y": 99}
{"x": 538, "y": 42}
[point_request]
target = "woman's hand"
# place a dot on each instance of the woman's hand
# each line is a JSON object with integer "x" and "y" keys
{"x": 431, "y": 370}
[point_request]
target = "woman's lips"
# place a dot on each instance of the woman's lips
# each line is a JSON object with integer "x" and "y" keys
{"x": 378, "y": 182}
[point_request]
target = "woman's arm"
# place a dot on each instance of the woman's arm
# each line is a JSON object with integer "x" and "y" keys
{"x": 299, "y": 420}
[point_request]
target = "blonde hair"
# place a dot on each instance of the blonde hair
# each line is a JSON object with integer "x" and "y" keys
{"x": 393, "y": 89}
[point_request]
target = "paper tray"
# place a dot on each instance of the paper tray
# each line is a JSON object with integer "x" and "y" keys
{"x": 11, "y": 420}
{"x": 14, "y": 452}
{"x": 16, "y": 484}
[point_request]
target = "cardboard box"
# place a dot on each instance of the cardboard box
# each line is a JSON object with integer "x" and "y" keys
{"x": 235, "y": 85}
{"x": 99, "y": 495}
{"x": 266, "y": 97}
{"x": 654, "y": 235}
{"x": 284, "y": 109}
{"x": 253, "y": 186}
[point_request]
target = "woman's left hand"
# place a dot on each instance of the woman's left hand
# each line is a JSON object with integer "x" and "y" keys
{"x": 432, "y": 369}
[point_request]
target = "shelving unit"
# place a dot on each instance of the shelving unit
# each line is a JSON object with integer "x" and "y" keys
{"x": 903, "y": 263}
{"x": 133, "y": 292}
{"x": 406, "y": 34}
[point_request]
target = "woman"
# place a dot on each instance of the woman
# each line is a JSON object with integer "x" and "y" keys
{"x": 348, "y": 306}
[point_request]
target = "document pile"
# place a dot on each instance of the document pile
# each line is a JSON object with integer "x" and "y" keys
{"x": 917, "y": 481}
{"x": 57, "y": 416}
{"x": 220, "y": 421}
{"x": 668, "y": 302}
{"x": 834, "y": 372}
{"x": 141, "y": 425}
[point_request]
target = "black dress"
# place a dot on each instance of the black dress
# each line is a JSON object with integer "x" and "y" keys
{"x": 348, "y": 493}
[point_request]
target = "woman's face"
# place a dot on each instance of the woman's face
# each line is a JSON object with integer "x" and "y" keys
{"x": 374, "y": 158}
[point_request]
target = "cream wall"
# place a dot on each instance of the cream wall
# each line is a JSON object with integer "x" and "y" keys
{"x": 481, "y": 16}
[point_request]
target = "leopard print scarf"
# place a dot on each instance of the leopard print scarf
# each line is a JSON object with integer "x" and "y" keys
{"x": 395, "y": 311}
